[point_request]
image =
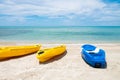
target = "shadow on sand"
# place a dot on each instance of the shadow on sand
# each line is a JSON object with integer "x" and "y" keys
{"x": 55, "y": 58}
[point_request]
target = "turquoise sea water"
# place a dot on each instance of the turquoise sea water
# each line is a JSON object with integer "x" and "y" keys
{"x": 62, "y": 34}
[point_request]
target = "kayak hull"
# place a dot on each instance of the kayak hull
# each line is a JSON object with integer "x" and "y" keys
{"x": 14, "y": 51}
{"x": 93, "y": 59}
{"x": 46, "y": 54}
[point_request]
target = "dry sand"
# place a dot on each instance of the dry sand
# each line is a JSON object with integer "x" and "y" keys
{"x": 69, "y": 66}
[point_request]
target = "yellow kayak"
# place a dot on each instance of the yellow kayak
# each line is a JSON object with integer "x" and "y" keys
{"x": 13, "y": 51}
{"x": 46, "y": 54}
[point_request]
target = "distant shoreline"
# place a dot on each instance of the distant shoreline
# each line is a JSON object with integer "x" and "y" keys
{"x": 8, "y": 43}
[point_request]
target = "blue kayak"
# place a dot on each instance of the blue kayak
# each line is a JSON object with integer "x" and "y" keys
{"x": 94, "y": 56}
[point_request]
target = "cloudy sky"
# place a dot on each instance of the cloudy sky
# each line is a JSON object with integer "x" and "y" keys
{"x": 59, "y": 12}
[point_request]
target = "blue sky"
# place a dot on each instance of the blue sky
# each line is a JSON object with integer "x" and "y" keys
{"x": 59, "y": 12}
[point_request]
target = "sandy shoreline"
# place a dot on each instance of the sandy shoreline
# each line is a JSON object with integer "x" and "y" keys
{"x": 67, "y": 67}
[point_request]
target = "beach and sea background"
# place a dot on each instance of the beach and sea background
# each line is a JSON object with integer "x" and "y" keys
{"x": 66, "y": 67}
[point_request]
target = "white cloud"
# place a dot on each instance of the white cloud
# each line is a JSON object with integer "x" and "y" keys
{"x": 95, "y": 9}
{"x": 50, "y": 7}
{"x": 109, "y": 13}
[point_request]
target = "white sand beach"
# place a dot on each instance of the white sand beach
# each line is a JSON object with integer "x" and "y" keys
{"x": 69, "y": 66}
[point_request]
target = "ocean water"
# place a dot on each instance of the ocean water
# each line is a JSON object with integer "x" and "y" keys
{"x": 61, "y": 34}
